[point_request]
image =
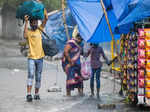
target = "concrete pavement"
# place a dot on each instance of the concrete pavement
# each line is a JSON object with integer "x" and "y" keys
{"x": 13, "y": 73}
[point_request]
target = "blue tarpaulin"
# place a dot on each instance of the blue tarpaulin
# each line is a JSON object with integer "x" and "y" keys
{"x": 55, "y": 27}
{"x": 141, "y": 11}
{"x": 85, "y": 16}
{"x": 91, "y": 21}
{"x": 121, "y": 14}
{"x": 120, "y": 8}
{"x": 89, "y": 16}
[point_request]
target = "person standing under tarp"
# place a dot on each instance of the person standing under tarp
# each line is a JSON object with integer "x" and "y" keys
{"x": 96, "y": 52}
{"x": 71, "y": 65}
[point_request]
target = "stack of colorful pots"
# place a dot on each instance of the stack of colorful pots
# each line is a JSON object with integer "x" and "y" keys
{"x": 147, "y": 75}
{"x": 136, "y": 66}
{"x": 125, "y": 46}
{"x": 132, "y": 67}
{"x": 141, "y": 66}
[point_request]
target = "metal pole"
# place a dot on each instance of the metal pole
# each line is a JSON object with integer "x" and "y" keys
{"x": 107, "y": 20}
{"x": 64, "y": 19}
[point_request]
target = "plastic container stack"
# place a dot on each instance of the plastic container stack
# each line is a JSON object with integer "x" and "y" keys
{"x": 144, "y": 66}
{"x": 136, "y": 66}
{"x": 141, "y": 66}
{"x": 125, "y": 46}
{"x": 147, "y": 75}
{"x": 132, "y": 68}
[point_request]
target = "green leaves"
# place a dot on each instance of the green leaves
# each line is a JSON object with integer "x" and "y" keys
{"x": 52, "y": 4}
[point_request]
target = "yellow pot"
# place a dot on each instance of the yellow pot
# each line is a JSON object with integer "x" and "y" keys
{"x": 148, "y": 82}
{"x": 148, "y": 43}
{"x": 148, "y": 72}
{"x": 147, "y": 92}
{"x": 147, "y": 33}
{"x": 148, "y": 53}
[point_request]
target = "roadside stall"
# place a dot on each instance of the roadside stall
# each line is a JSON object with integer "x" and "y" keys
{"x": 100, "y": 21}
{"x": 135, "y": 66}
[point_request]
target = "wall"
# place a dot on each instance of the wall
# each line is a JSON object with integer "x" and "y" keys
{"x": 10, "y": 27}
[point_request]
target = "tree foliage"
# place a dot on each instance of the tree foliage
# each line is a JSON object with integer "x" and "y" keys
{"x": 52, "y": 4}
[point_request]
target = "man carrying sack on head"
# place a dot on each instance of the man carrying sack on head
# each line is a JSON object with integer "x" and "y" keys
{"x": 36, "y": 54}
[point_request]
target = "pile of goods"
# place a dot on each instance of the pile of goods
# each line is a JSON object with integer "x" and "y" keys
{"x": 144, "y": 66}
{"x": 136, "y": 66}
{"x": 34, "y": 9}
{"x": 141, "y": 65}
{"x": 130, "y": 66}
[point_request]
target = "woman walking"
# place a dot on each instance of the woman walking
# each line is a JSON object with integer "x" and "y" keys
{"x": 72, "y": 66}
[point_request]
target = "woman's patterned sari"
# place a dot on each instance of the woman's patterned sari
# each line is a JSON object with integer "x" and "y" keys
{"x": 74, "y": 79}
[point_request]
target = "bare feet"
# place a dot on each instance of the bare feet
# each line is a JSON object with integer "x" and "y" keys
{"x": 68, "y": 93}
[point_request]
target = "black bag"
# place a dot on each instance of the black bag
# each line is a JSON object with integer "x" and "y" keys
{"x": 49, "y": 45}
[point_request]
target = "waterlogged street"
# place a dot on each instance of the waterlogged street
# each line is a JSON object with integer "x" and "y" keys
{"x": 13, "y": 73}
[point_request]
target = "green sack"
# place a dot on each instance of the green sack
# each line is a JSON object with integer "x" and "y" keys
{"x": 33, "y": 9}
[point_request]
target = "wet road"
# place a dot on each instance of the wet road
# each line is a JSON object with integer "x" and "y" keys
{"x": 13, "y": 73}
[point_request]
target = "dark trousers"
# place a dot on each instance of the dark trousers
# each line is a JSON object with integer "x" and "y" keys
{"x": 97, "y": 73}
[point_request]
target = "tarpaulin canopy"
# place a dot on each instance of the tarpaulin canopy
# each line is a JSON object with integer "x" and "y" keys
{"x": 141, "y": 11}
{"x": 91, "y": 21}
{"x": 122, "y": 8}
{"x": 55, "y": 28}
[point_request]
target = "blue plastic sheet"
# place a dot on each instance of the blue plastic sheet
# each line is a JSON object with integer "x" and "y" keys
{"x": 55, "y": 28}
{"x": 121, "y": 13}
{"x": 140, "y": 11}
{"x": 120, "y": 8}
{"x": 102, "y": 33}
{"x": 85, "y": 16}
{"x": 91, "y": 20}
{"x": 89, "y": 16}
